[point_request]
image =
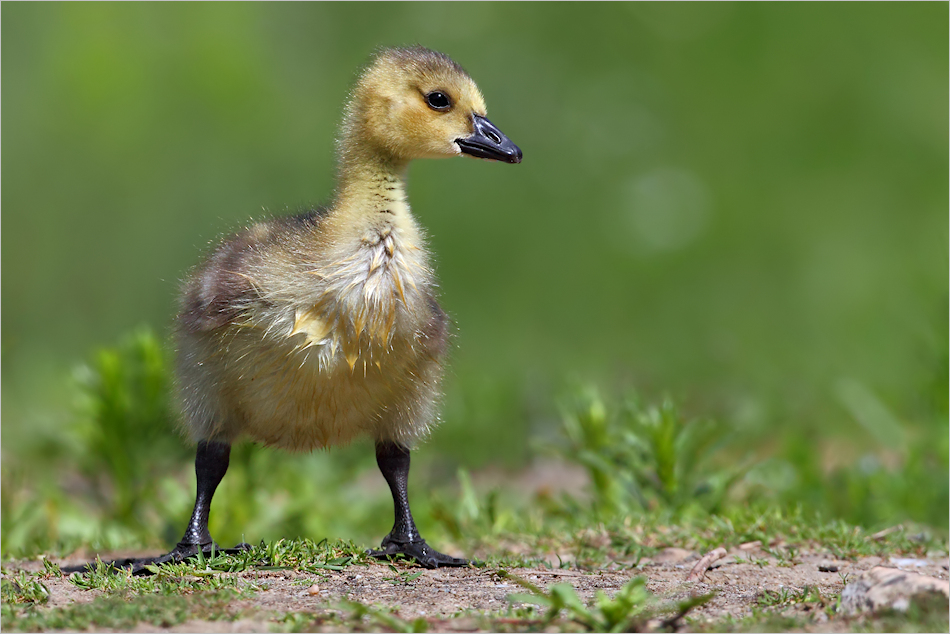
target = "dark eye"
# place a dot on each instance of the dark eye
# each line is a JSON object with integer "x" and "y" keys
{"x": 438, "y": 100}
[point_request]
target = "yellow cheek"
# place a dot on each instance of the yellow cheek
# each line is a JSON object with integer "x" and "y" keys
{"x": 427, "y": 133}
{"x": 416, "y": 122}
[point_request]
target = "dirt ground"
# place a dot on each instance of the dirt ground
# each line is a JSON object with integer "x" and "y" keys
{"x": 739, "y": 579}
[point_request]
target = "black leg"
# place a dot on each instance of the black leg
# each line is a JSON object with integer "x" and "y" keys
{"x": 211, "y": 463}
{"x": 404, "y": 539}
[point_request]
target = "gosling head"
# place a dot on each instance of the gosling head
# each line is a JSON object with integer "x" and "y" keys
{"x": 415, "y": 103}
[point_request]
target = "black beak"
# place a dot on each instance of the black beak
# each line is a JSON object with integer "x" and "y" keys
{"x": 488, "y": 142}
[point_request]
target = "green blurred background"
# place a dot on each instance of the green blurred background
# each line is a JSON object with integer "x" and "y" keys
{"x": 743, "y": 205}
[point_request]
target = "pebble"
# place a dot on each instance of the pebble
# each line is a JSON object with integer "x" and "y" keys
{"x": 827, "y": 566}
{"x": 313, "y": 590}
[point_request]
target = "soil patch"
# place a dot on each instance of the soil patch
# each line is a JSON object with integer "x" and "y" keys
{"x": 740, "y": 580}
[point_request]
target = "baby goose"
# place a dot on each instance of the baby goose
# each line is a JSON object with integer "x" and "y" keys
{"x": 307, "y": 331}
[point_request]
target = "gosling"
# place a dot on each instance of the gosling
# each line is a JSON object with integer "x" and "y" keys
{"x": 308, "y": 331}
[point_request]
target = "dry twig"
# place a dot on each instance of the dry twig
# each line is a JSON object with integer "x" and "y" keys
{"x": 699, "y": 570}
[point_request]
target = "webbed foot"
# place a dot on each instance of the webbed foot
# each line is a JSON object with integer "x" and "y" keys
{"x": 181, "y": 552}
{"x": 425, "y": 556}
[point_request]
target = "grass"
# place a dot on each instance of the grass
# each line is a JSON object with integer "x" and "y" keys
{"x": 23, "y": 589}
{"x": 123, "y": 613}
{"x": 172, "y": 596}
{"x": 790, "y": 596}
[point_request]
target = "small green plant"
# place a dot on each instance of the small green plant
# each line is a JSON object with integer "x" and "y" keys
{"x": 304, "y": 554}
{"x": 758, "y": 561}
{"x": 646, "y": 457}
{"x": 785, "y": 557}
{"x": 770, "y": 598}
{"x": 125, "y": 427}
{"x": 404, "y": 577}
{"x": 23, "y": 589}
{"x": 791, "y": 596}
{"x": 627, "y": 611}
{"x": 468, "y": 513}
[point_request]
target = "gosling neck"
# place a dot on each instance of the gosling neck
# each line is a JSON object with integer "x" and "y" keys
{"x": 373, "y": 187}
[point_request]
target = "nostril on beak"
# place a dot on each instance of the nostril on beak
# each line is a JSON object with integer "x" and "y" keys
{"x": 494, "y": 137}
